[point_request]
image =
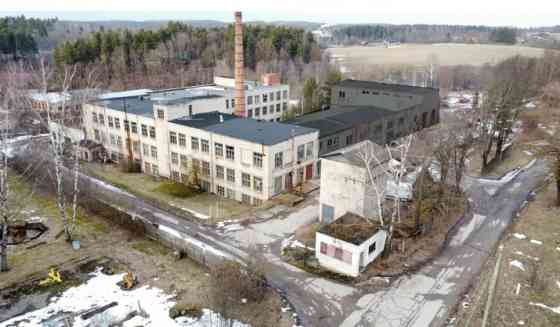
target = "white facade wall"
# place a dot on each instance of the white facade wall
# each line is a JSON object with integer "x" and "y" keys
{"x": 361, "y": 257}
{"x": 345, "y": 188}
{"x": 162, "y": 164}
{"x": 277, "y": 102}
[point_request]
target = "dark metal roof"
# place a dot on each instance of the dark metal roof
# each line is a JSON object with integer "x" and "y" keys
{"x": 260, "y": 132}
{"x": 341, "y": 118}
{"x": 203, "y": 120}
{"x": 387, "y": 87}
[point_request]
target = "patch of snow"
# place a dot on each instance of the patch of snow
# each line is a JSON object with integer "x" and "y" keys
{"x": 101, "y": 290}
{"x": 540, "y": 305}
{"x": 519, "y": 236}
{"x": 517, "y": 264}
{"x": 536, "y": 242}
{"x": 526, "y": 256}
{"x": 529, "y": 153}
{"x": 521, "y": 323}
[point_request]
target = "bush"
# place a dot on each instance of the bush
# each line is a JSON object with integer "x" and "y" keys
{"x": 175, "y": 189}
{"x": 232, "y": 282}
{"x": 185, "y": 310}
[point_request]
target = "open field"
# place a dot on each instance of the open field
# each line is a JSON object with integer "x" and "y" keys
{"x": 417, "y": 54}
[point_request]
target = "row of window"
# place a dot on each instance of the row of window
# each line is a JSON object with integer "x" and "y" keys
{"x": 202, "y": 145}
{"x": 256, "y": 113}
{"x": 115, "y": 122}
{"x": 256, "y": 99}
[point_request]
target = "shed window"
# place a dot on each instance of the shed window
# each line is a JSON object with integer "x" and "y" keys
{"x": 323, "y": 248}
{"x": 372, "y": 247}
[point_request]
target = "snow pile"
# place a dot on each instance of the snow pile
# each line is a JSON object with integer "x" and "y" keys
{"x": 540, "y": 305}
{"x": 519, "y": 236}
{"x": 536, "y": 242}
{"x": 101, "y": 290}
{"x": 293, "y": 243}
{"x": 517, "y": 264}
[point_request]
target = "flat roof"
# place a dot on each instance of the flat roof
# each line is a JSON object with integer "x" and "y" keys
{"x": 260, "y": 132}
{"x": 351, "y": 228}
{"x": 387, "y": 86}
{"x": 341, "y": 118}
{"x": 353, "y": 154}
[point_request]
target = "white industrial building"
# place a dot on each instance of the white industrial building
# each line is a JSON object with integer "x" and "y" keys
{"x": 349, "y": 244}
{"x": 345, "y": 183}
{"x": 239, "y": 158}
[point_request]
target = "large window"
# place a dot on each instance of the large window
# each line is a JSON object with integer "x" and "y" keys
{"x": 219, "y": 150}
{"x": 250, "y": 100}
{"x": 257, "y": 159}
{"x": 134, "y": 127}
{"x": 152, "y": 132}
{"x": 221, "y": 191}
{"x": 144, "y": 129}
{"x": 182, "y": 140}
{"x": 194, "y": 143}
{"x": 231, "y": 175}
{"x": 278, "y": 106}
{"x": 101, "y": 119}
{"x": 205, "y": 147}
{"x": 110, "y": 121}
{"x": 285, "y": 94}
{"x": 265, "y": 110}
{"x": 154, "y": 152}
{"x": 117, "y": 123}
{"x": 146, "y": 150}
{"x": 126, "y": 125}
{"x": 173, "y": 137}
{"x": 94, "y": 117}
{"x": 279, "y": 95}
{"x": 184, "y": 161}
{"x": 265, "y": 98}
{"x": 230, "y": 153}
{"x": 279, "y": 160}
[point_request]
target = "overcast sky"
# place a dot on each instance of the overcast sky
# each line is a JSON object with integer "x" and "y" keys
{"x": 478, "y": 12}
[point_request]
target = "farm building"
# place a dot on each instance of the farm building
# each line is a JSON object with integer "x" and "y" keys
{"x": 349, "y": 244}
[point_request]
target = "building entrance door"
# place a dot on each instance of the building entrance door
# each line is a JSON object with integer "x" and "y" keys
{"x": 309, "y": 172}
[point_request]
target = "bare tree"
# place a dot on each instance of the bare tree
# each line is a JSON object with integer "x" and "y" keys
{"x": 63, "y": 149}
{"x": 384, "y": 164}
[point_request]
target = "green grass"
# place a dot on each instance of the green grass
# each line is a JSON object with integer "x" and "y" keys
{"x": 175, "y": 189}
{"x": 151, "y": 248}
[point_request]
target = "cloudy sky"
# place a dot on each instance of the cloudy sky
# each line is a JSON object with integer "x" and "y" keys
{"x": 478, "y": 12}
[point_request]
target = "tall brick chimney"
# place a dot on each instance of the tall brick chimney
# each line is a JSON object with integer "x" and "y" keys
{"x": 239, "y": 67}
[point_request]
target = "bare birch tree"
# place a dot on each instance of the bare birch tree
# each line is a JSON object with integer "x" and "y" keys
{"x": 64, "y": 153}
{"x": 384, "y": 164}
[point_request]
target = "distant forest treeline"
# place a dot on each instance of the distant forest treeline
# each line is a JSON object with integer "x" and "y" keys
{"x": 354, "y": 34}
{"x": 18, "y": 35}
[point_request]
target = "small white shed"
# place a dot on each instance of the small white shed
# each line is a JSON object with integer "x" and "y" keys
{"x": 349, "y": 244}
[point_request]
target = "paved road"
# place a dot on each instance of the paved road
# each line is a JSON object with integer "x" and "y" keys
{"x": 422, "y": 299}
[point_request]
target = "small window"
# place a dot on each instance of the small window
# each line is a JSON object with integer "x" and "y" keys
{"x": 250, "y": 100}
{"x": 338, "y": 253}
{"x": 257, "y": 159}
{"x": 257, "y": 184}
{"x": 117, "y": 123}
{"x": 231, "y": 175}
{"x": 194, "y": 143}
{"x": 205, "y": 147}
{"x": 372, "y": 247}
{"x": 152, "y": 132}
{"x": 264, "y": 110}
{"x": 182, "y": 140}
{"x": 160, "y": 114}
{"x": 110, "y": 121}
{"x": 219, "y": 150}
{"x": 220, "y": 172}
{"x": 154, "y": 152}
{"x": 205, "y": 168}
{"x": 173, "y": 137}
{"x": 134, "y": 127}
{"x": 279, "y": 160}
{"x": 221, "y": 191}
{"x": 285, "y": 94}
{"x": 300, "y": 152}
{"x": 174, "y": 158}
{"x": 323, "y": 248}
{"x": 257, "y": 112}
{"x": 246, "y": 180}
{"x": 250, "y": 113}
{"x": 230, "y": 153}
{"x": 144, "y": 129}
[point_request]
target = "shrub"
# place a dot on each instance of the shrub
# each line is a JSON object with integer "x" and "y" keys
{"x": 185, "y": 310}
{"x": 175, "y": 189}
